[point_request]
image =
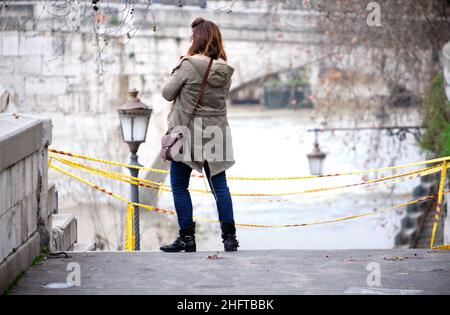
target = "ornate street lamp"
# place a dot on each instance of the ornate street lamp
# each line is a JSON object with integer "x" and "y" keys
{"x": 134, "y": 118}
{"x": 316, "y": 157}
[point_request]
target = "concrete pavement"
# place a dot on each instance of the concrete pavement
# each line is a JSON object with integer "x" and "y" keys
{"x": 411, "y": 271}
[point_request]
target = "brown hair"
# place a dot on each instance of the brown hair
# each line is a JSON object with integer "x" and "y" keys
{"x": 206, "y": 39}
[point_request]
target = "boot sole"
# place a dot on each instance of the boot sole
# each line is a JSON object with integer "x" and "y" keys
{"x": 187, "y": 250}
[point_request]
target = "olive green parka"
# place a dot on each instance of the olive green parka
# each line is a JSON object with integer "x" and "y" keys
{"x": 210, "y": 137}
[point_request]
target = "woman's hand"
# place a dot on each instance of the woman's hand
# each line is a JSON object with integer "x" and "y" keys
{"x": 178, "y": 65}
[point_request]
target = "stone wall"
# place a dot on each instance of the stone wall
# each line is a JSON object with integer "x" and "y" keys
{"x": 25, "y": 217}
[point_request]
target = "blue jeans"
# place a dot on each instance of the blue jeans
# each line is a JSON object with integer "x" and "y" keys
{"x": 179, "y": 179}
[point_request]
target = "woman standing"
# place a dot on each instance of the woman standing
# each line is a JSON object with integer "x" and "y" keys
{"x": 205, "y": 53}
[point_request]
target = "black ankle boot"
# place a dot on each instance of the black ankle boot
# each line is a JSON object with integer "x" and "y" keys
{"x": 186, "y": 241}
{"x": 230, "y": 243}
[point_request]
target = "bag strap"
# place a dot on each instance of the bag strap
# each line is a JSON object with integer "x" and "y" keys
{"x": 202, "y": 89}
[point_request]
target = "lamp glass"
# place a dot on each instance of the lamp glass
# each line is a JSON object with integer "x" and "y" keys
{"x": 126, "y": 123}
{"x": 134, "y": 126}
{"x": 139, "y": 131}
{"x": 315, "y": 165}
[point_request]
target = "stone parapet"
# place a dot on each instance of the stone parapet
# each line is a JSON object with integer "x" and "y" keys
{"x": 24, "y": 214}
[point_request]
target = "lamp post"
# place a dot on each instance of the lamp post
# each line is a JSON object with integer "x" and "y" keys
{"x": 134, "y": 117}
{"x": 316, "y": 157}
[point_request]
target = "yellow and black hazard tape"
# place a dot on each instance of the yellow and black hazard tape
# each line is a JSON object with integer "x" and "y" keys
{"x": 88, "y": 158}
{"x": 103, "y": 161}
{"x": 161, "y": 210}
{"x": 160, "y": 186}
{"x": 151, "y": 184}
{"x": 439, "y": 203}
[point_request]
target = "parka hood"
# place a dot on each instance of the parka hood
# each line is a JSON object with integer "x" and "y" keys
{"x": 220, "y": 73}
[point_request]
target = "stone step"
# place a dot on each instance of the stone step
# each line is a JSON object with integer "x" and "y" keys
{"x": 64, "y": 230}
{"x": 52, "y": 199}
{"x": 404, "y": 246}
{"x": 409, "y": 234}
{"x": 414, "y": 219}
{"x": 259, "y": 272}
{"x": 84, "y": 247}
{"x": 415, "y": 215}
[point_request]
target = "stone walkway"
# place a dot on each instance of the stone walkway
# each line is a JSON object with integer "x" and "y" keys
{"x": 244, "y": 272}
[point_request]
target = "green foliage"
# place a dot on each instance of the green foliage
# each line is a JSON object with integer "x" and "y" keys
{"x": 14, "y": 283}
{"x": 436, "y": 137}
{"x": 36, "y": 261}
{"x": 445, "y": 140}
{"x": 114, "y": 20}
{"x": 143, "y": 80}
{"x": 275, "y": 84}
{"x": 298, "y": 78}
